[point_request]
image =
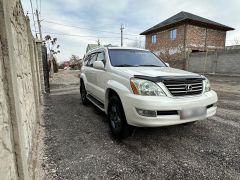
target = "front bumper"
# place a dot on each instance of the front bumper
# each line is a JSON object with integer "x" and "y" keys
{"x": 164, "y": 103}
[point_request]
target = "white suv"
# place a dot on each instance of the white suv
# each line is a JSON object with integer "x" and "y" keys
{"x": 136, "y": 88}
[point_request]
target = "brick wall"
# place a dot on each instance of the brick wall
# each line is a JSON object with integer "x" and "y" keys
{"x": 197, "y": 38}
{"x": 215, "y": 39}
{"x": 166, "y": 48}
{"x": 200, "y": 38}
{"x": 20, "y": 94}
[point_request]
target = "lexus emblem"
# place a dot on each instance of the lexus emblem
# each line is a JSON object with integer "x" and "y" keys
{"x": 188, "y": 87}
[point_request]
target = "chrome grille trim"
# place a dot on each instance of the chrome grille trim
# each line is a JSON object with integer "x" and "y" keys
{"x": 184, "y": 87}
{"x": 184, "y": 84}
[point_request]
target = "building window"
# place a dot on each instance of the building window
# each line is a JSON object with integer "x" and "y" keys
{"x": 154, "y": 39}
{"x": 173, "y": 34}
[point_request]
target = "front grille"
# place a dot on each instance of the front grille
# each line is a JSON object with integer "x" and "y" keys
{"x": 184, "y": 87}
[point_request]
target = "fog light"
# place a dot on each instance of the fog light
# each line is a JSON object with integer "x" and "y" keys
{"x": 147, "y": 113}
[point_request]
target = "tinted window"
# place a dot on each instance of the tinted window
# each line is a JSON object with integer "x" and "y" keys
{"x": 101, "y": 57}
{"x": 93, "y": 58}
{"x": 120, "y": 57}
{"x": 86, "y": 59}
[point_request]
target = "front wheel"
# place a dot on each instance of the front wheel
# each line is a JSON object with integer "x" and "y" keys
{"x": 83, "y": 93}
{"x": 117, "y": 120}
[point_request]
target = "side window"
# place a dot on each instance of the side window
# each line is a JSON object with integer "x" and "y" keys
{"x": 101, "y": 57}
{"x": 173, "y": 34}
{"x": 92, "y": 59}
{"x": 154, "y": 39}
{"x": 86, "y": 59}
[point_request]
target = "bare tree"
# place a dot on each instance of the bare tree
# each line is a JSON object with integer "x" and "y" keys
{"x": 136, "y": 43}
{"x": 53, "y": 49}
{"x": 50, "y": 43}
{"x": 75, "y": 62}
{"x": 235, "y": 41}
{"x": 75, "y": 57}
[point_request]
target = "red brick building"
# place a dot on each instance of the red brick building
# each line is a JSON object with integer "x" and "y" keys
{"x": 183, "y": 33}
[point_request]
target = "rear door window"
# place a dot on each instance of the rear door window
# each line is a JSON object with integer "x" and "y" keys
{"x": 92, "y": 59}
{"x": 86, "y": 59}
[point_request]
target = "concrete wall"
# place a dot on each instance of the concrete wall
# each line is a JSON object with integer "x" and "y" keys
{"x": 225, "y": 62}
{"x": 7, "y": 155}
{"x": 20, "y": 94}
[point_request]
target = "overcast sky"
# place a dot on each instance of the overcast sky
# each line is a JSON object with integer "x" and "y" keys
{"x": 77, "y": 23}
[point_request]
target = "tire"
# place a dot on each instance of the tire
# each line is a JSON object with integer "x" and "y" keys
{"x": 117, "y": 120}
{"x": 83, "y": 93}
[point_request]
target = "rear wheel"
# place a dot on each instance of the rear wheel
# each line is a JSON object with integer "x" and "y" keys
{"x": 83, "y": 93}
{"x": 117, "y": 120}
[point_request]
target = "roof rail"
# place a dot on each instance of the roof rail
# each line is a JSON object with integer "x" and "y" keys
{"x": 110, "y": 45}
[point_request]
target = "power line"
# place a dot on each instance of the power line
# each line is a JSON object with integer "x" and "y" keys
{"x": 78, "y": 35}
{"x": 77, "y": 27}
{"x": 83, "y": 36}
{"x": 135, "y": 39}
{"x": 92, "y": 29}
{"x": 63, "y": 34}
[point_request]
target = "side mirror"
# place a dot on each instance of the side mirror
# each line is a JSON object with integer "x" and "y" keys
{"x": 167, "y": 64}
{"x": 98, "y": 65}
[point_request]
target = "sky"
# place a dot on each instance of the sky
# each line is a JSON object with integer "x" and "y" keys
{"x": 76, "y": 23}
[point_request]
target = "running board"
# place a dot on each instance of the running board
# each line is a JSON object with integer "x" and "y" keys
{"x": 96, "y": 102}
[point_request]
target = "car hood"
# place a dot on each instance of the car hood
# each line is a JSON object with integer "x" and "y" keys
{"x": 153, "y": 71}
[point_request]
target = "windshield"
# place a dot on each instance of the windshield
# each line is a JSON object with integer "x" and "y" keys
{"x": 130, "y": 57}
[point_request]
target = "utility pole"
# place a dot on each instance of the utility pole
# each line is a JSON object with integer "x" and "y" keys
{"x": 39, "y": 25}
{"x": 121, "y": 34}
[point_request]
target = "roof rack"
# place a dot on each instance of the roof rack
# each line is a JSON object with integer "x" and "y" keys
{"x": 110, "y": 45}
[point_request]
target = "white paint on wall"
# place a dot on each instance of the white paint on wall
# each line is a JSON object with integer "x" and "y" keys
{"x": 197, "y": 45}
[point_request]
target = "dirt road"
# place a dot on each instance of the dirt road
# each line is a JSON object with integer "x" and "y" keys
{"x": 78, "y": 145}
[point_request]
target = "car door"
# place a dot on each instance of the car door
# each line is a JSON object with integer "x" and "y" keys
{"x": 100, "y": 77}
{"x": 90, "y": 73}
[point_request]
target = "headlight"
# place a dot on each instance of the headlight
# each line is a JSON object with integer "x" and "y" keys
{"x": 146, "y": 88}
{"x": 207, "y": 85}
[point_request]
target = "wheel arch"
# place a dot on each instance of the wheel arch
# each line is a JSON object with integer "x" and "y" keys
{"x": 109, "y": 93}
{"x": 115, "y": 88}
{"x": 82, "y": 79}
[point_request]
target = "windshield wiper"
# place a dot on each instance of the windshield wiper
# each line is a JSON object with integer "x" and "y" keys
{"x": 150, "y": 65}
{"x": 125, "y": 65}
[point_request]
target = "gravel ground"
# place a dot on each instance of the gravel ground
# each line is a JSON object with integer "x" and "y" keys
{"x": 78, "y": 145}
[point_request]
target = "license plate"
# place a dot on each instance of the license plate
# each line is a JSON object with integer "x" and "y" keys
{"x": 193, "y": 113}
